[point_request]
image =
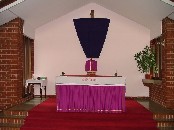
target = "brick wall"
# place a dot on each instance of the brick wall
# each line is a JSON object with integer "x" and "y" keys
{"x": 168, "y": 32}
{"x": 164, "y": 93}
{"x": 11, "y": 63}
{"x": 157, "y": 93}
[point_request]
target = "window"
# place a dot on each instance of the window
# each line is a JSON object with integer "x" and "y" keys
{"x": 157, "y": 45}
{"x": 28, "y": 59}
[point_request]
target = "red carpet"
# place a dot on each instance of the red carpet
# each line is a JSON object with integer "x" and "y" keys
{"x": 45, "y": 117}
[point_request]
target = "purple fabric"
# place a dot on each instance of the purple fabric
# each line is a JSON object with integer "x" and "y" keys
{"x": 85, "y": 98}
{"x": 93, "y": 65}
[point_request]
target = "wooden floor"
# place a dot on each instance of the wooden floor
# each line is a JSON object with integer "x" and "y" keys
{"x": 13, "y": 118}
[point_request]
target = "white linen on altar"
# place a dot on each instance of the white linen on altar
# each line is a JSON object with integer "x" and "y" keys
{"x": 118, "y": 81}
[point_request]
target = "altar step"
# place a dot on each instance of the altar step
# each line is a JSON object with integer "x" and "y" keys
{"x": 14, "y": 122}
{"x": 13, "y": 118}
{"x": 164, "y": 121}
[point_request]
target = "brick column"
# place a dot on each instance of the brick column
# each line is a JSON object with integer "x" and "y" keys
{"x": 164, "y": 93}
{"x": 168, "y": 62}
{"x": 11, "y": 63}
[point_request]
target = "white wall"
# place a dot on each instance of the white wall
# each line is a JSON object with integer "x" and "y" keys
{"x": 57, "y": 49}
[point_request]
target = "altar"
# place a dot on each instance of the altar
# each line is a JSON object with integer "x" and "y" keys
{"x": 90, "y": 94}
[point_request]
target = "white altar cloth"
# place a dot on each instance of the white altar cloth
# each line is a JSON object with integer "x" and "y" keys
{"x": 117, "y": 81}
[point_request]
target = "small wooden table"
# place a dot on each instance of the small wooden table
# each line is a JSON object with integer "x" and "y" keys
{"x": 42, "y": 83}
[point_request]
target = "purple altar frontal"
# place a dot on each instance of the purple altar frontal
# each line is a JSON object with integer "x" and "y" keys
{"x": 86, "y": 97}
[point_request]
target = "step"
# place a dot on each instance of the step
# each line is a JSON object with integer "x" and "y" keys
{"x": 164, "y": 120}
{"x": 163, "y": 117}
{"x": 8, "y": 126}
{"x": 16, "y": 113}
{"x": 166, "y": 128}
{"x": 12, "y": 120}
{"x": 165, "y": 124}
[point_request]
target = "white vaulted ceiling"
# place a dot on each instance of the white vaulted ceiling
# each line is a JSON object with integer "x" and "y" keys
{"x": 36, "y": 13}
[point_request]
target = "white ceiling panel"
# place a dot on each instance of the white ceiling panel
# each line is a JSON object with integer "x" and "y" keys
{"x": 148, "y": 13}
{"x": 39, "y": 12}
{"x": 144, "y": 12}
{"x": 6, "y": 16}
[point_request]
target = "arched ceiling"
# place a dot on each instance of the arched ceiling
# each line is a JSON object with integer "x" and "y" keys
{"x": 36, "y": 13}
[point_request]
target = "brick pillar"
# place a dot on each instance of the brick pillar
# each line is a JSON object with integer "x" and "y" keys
{"x": 168, "y": 62}
{"x": 11, "y": 63}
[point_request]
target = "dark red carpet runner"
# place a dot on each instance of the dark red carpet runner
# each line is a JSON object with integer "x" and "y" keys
{"x": 45, "y": 117}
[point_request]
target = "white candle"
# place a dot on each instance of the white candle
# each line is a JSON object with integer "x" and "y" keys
{"x": 90, "y": 64}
